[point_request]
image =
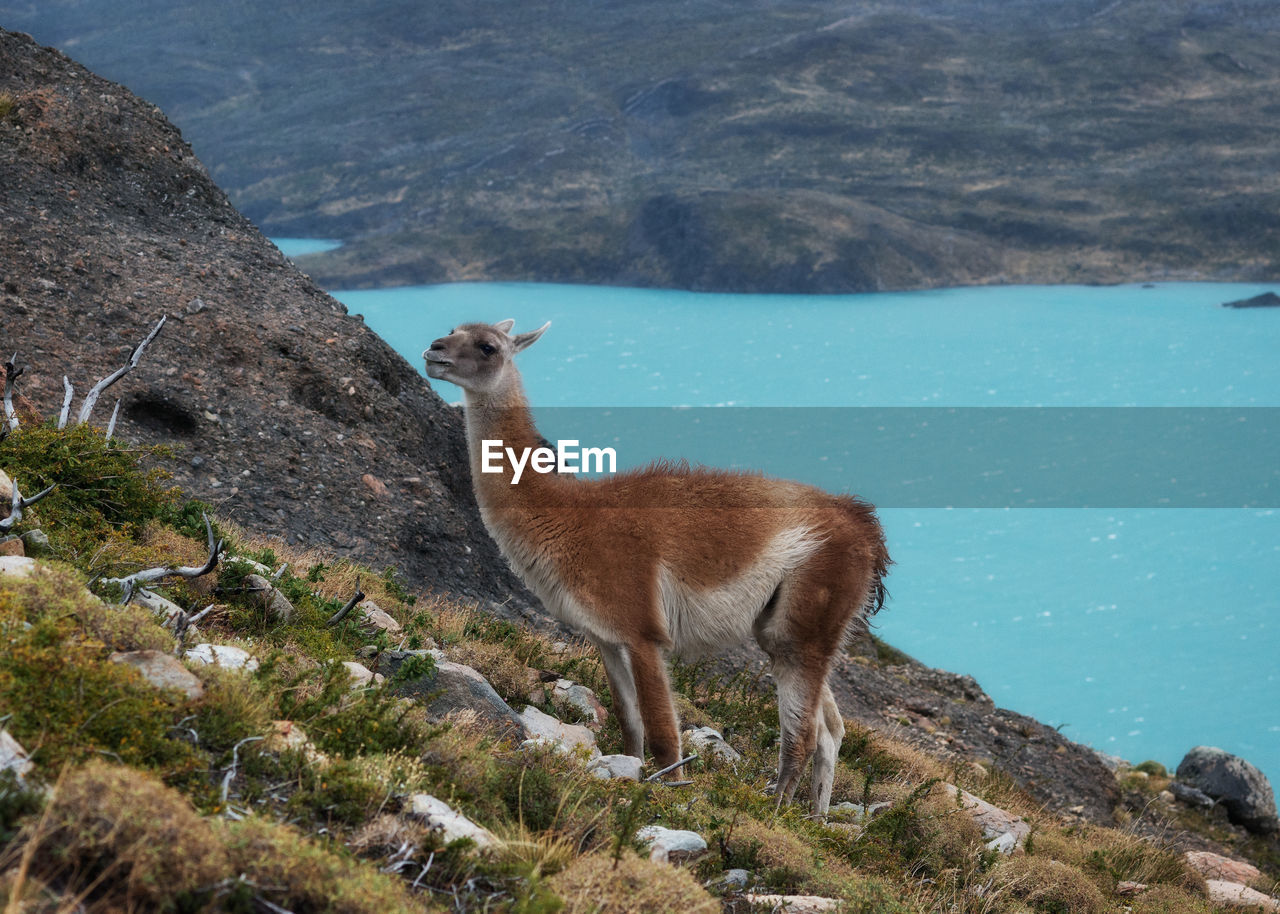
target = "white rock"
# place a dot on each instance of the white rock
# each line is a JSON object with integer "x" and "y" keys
{"x": 709, "y": 742}
{"x": 794, "y": 904}
{"x": 19, "y": 566}
{"x": 6, "y": 494}
{"x": 451, "y": 824}
{"x": 566, "y": 693}
{"x": 285, "y": 734}
{"x": 1234, "y": 895}
{"x": 615, "y": 766}
{"x": 13, "y": 757}
{"x": 541, "y": 725}
{"x": 671, "y": 845}
{"x": 224, "y": 655}
{"x": 164, "y": 671}
{"x": 1003, "y": 830}
{"x": 1215, "y": 866}
{"x": 376, "y": 619}
{"x": 857, "y": 811}
{"x": 361, "y": 675}
{"x": 241, "y": 560}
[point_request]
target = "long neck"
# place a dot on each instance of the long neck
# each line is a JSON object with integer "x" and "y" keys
{"x": 503, "y": 416}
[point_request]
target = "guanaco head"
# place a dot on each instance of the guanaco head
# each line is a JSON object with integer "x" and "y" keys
{"x": 477, "y": 357}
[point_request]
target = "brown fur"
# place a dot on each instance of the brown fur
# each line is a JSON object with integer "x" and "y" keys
{"x": 671, "y": 557}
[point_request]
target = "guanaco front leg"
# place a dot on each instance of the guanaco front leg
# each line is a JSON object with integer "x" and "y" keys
{"x": 622, "y": 686}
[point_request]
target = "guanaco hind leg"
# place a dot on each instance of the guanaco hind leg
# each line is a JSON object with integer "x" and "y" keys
{"x": 657, "y": 710}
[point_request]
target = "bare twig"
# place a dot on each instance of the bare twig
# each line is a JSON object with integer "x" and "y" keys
{"x": 235, "y": 761}
{"x": 657, "y": 774}
{"x": 11, "y": 374}
{"x": 111, "y": 426}
{"x": 130, "y": 583}
{"x": 182, "y": 625}
{"x": 19, "y": 504}
{"x": 66, "y": 402}
{"x": 91, "y": 400}
{"x": 342, "y": 613}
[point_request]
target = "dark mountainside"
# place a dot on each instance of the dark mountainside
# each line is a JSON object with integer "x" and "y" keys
{"x": 278, "y": 403}
{"x": 799, "y": 147}
{"x": 286, "y": 413}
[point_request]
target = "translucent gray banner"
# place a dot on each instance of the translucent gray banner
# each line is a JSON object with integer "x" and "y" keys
{"x": 962, "y": 457}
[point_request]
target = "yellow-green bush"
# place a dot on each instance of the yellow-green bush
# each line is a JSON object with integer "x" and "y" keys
{"x": 597, "y": 884}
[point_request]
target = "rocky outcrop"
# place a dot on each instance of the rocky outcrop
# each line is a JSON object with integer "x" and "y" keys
{"x": 1239, "y": 786}
{"x": 1265, "y": 300}
{"x": 275, "y": 401}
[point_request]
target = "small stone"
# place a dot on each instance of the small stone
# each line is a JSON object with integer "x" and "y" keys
{"x": 1129, "y": 889}
{"x": 19, "y": 566}
{"x": 1003, "y": 831}
{"x": 164, "y": 671}
{"x": 1234, "y": 895}
{"x": 734, "y": 879}
{"x": 857, "y": 811}
{"x": 287, "y": 735}
{"x": 566, "y": 693}
{"x": 361, "y": 675}
{"x": 37, "y": 543}
{"x": 670, "y": 845}
{"x": 195, "y": 306}
{"x": 223, "y": 655}
{"x": 607, "y": 767}
{"x": 376, "y": 619}
{"x": 6, "y": 494}
{"x": 1190, "y": 795}
{"x": 539, "y": 725}
{"x": 13, "y": 757}
{"x": 709, "y": 742}
{"x": 451, "y": 824}
{"x": 1216, "y": 866}
{"x": 794, "y": 904}
{"x": 376, "y": 486}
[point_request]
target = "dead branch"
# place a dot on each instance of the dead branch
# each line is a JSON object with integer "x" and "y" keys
{"x": 235, "y": 761}
{"x": 19, "y": 504}
{"x": 91, "y": 400}
{"x": 66, "y": 402}
{"x": 657, "y": 774}
{"x": 182, "y": 624}
{"x": 111, "y": 426}
{"x": 131, "y": 582}
{"x": 342, "y": 613}
{"x": 11, "y": 373}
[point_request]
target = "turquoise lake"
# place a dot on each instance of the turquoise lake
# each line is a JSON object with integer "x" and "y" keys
{"x": 1141, "y": 630}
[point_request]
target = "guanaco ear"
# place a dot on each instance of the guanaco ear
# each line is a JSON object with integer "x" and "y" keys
{"x": 505, "y": 326}
{"x": 525, "y": 340}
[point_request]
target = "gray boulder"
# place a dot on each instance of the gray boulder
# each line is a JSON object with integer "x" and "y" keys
{"x": 1241, "y": 788}
{"x": 450, "y": 687}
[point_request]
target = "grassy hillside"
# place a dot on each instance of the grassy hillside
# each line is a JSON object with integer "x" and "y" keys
{"x": 809, "y": 146}
{"x": 291, "y": 788}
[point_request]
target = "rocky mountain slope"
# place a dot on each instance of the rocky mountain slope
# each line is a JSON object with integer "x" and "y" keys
{"x": 816, "y": 146}
{"x": 282, "y": 410}
{"x": 294, "y": 420}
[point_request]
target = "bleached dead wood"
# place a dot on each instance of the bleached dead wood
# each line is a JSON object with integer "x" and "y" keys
{"x": 18, "y": 504}
{"x": 91, "y": 399}
{"x": 69, "y": 392}
{"x": 131, "y": 582}
{"x": 11, "y": 374}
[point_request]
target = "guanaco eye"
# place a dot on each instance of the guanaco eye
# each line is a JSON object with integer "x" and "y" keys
{"x": 487, "y": 348}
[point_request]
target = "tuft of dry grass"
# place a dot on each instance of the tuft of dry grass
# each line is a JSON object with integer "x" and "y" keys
{"x": 597, "y": 884}
{"x": 116, "y": 838}
{"x": 1049, "y": 886}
